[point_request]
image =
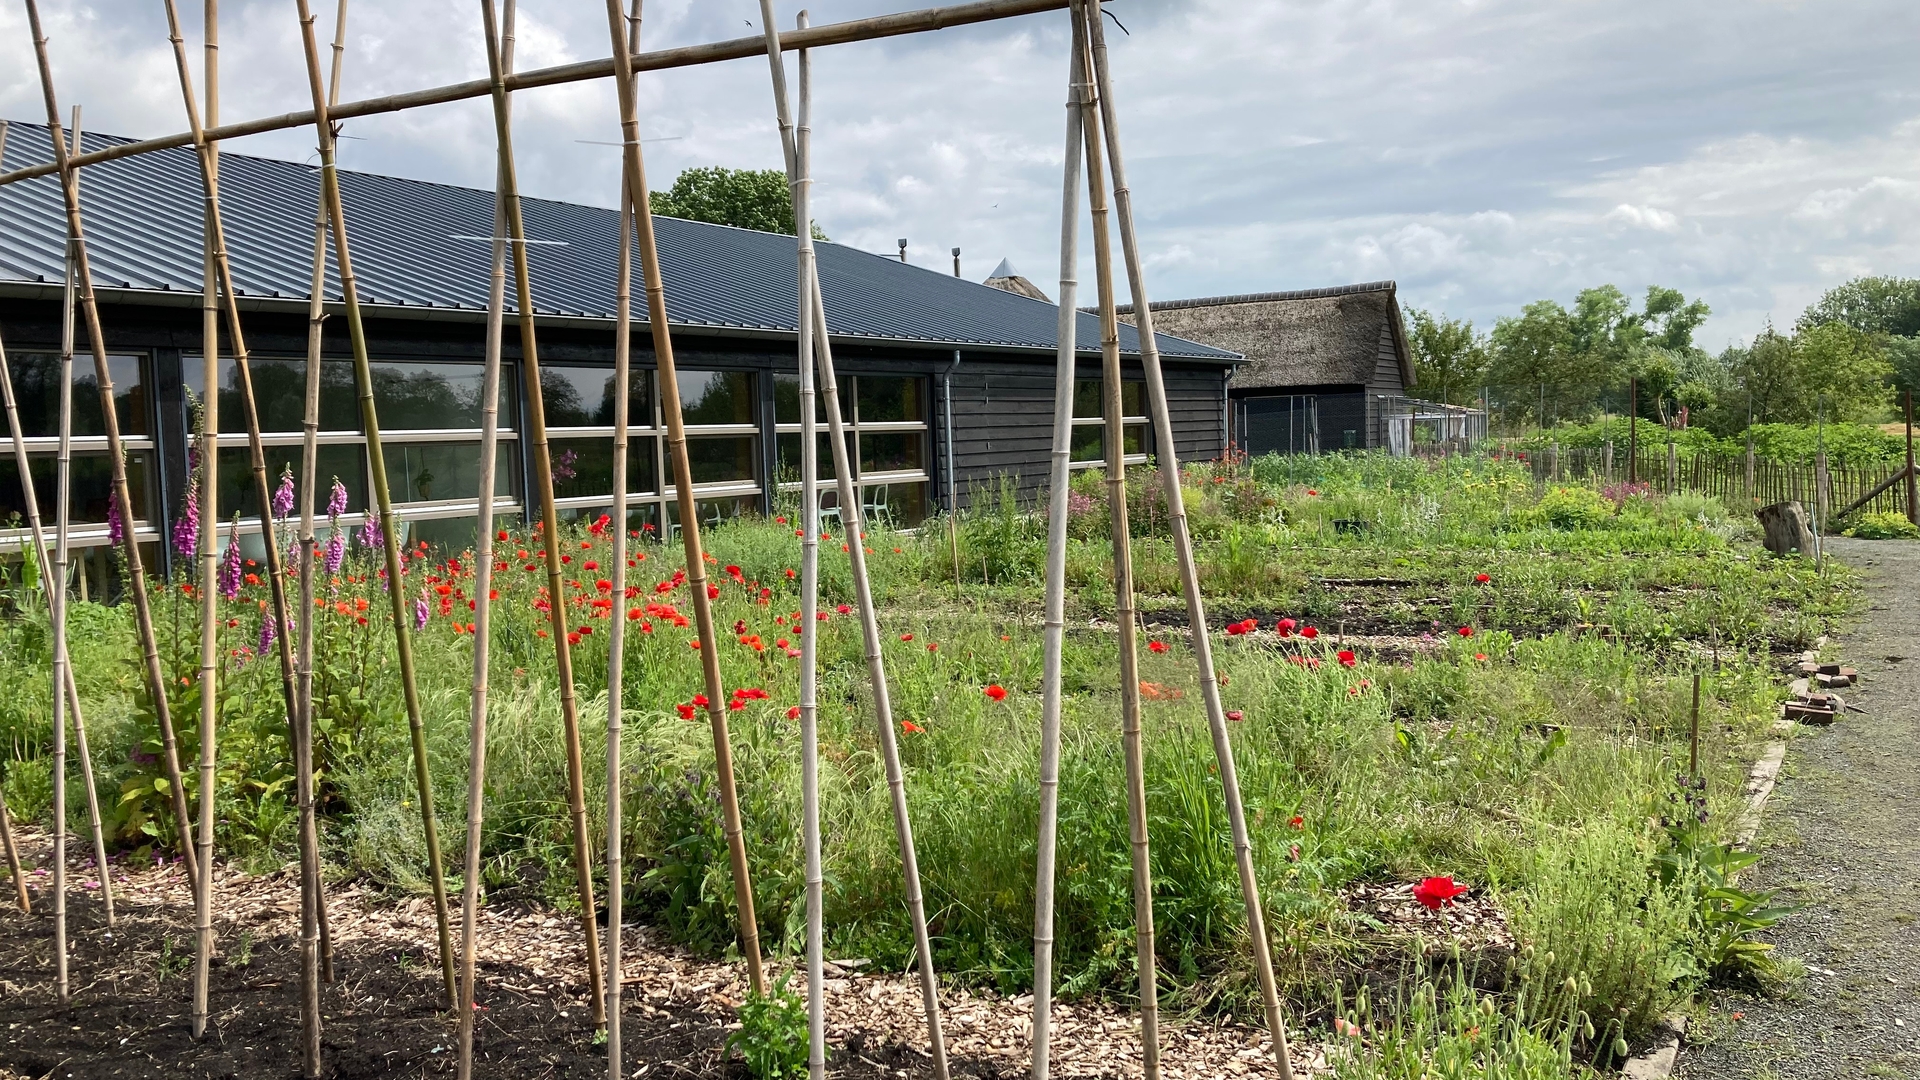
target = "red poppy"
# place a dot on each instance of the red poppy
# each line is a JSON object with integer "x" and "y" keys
{"x": 793, "y": 712}
{"x": 781, "y": 643}
{"x": 700, "y": 700}
{"x": 790, "y": 574}
{"x": 996, "y": 692}
{"x": 1285, "y": 626}
{"x": 843, "y": 609}
{"x": 782, "y": 521}
{"x": 694, "y": 645}
{"x": 1347, "y": 658}
{"x": 590, "y": 565}
{"x": 566, "y": 558}
{"x": 736, "y": 705}
{"x": 906, "y": 637}
{"x": 1479, "y": 656}
{"x": 1435, "y": 891}
{"x": 1236, "y": 715}
{"x": 1482, "y": 578}
{"x": 911, "y": 728}
{"x": 685, "y": 711}
{"x": 1309, "y": 633}
{"x": 573, "y": 637}
{"x": 1466, "y": 631}
{"x": 1297, "y": 823}
{"x": 1157, "y": 646}
{"x": 1310, "y": 491}
{"x": 740, "y": 626}
{"x": 713, "y": 592}
{"x": 933, "y": 646}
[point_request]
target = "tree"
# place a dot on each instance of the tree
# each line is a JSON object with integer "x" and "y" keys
{"x": 1449, "y": 359}
{"x": 1531, "y": 357}
{"x": 1829, "y": 369}
{"x": 1875, "y": 305}
{"x": 744, "y": 198}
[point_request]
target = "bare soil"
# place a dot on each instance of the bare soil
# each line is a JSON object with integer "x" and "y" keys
{"x": 1842, "y": 837}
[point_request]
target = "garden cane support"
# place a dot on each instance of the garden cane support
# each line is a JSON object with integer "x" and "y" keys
{"x": 1059, "y": 475}
{"x": 636, "y": 176}
{"x": 550, "y": 524}
{"x": 52, "y": 580}
{"x": 121, "y": 499}
{"x": 376, "y": 459}
{"x": 617, "y": 628}
{"x": 795, "y": 149}
{"x": 483, "y": 602}
{"x": 276, "y": 570}
{"x": 13, "y": 856}
{"x": 1135, "y": 763}
{"x": 1183, "y": 546}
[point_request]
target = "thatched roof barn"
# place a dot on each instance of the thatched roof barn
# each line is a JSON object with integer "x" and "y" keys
{"x": 1007, "y": 279}
{"x": 1323, "y": 365}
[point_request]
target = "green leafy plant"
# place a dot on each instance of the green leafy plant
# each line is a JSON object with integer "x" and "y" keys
{"x": 1885, "y": 525}
{"x": 772, "y": 1039}
{"x": 1726, "y": 917}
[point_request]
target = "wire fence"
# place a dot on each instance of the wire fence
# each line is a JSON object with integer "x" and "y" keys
{"x": 1831, "y": 488}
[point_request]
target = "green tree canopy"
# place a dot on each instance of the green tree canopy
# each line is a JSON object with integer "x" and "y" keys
{"x": 1828, "y": 370}
{"x": 1449, "y": 358}
{"x": 1875, "y": 305}
{"x": 744, "y": 198}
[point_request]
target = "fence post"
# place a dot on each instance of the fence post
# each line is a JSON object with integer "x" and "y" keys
{"x": 1822, "y": 491}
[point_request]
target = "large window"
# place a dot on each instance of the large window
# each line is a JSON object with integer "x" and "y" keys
{"x": 1089, "y": 423}
{"x": 723, "y": 443}
{"x": 888, "y": 449}
{"x": 430, "y": 413}
{"x": 36, "y": 382}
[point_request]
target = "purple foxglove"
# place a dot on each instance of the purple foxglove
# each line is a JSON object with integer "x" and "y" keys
{"x": 337, "y": 499}
{"x": 419, "y": 614}
{"x": 336, "y": 553}
{"x": 283, "y": 495}
{"x": 230, "y": 571}
{"x": 116, "y": 529}
{"x": 268, "y": 631}
{"x": 370, "y": 534}
{"x": 186, "y": 531}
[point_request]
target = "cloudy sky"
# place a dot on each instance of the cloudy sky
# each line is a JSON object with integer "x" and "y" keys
{"x": 1484, "y": 153}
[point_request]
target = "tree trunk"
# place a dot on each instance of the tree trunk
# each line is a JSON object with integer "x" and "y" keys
{"x": 1786, "y": 528}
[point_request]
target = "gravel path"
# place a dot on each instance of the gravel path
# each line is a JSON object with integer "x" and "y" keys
{"x": 1842, "y": 836}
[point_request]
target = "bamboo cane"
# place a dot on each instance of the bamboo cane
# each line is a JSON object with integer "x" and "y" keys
{"x": 276, "y": 576}
{"x": 1065, "y": 365}
{"x": 483, "y": 601}
{"x": 13, "y": 855}
{"x": 617, "y": 630}
{"x": 635, "y": 167}
{"x": 802, "y": 189}
{"x": 314, "y": 931}
{"x": 62, "y": 661}
{"x": 376, "y": 460}
{"x": 209, "y": 553}
{"x": 550, "y": 525}
{"x": 1183, "y": 546}
{"x": 796, "y": 152}
{"x": 116, "y": 452}
{"x": 1135, "y": 761}
{"x": 51, "y": 580}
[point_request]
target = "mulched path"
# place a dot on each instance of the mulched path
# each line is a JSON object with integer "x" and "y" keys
{"x": 128, "y": 1017}
{"x": 1842, "y": 836}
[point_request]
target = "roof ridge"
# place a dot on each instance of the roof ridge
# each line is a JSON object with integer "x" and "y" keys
{"x": 1249, "y": 298}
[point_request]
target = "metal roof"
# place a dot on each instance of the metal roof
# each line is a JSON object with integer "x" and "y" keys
{"x": 143, "y": 217}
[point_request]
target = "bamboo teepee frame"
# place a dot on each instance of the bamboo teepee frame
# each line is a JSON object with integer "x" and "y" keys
{"x": 376, "y": 460}
{"x": 1183, "y": 545}
{"x": 634, "y": 167}
{"x": 274, "y": 557}
{"x": 483, "y": 598}
{"x": 549, "y": 520}
{"x": 51, "y": 581}
{"x": 116, "y": 454}
{"x": 795, "y": 152}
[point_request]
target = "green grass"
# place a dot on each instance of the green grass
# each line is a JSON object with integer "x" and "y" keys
{"x": 1528, "y": 760}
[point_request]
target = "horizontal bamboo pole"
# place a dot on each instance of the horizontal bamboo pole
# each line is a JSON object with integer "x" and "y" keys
{"x": 882, "y": 26}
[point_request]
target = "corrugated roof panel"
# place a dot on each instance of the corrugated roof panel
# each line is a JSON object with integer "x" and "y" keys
{"x": 143, "y": 232}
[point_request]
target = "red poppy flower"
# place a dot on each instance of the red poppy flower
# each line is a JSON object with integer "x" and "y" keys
{"x": 694, "y": 645}
{"x": 1236, "y": 715}
{"x": 1157, "y": 646}
{"x": 1285, "y": 626}
{"x": 843, "y": 609}
{"x": 573, "y": 637}
{"x": 996, "y": 692}
{"x": 1466, "y": 631}
{"x": 1297, "y": 823}
{"x": 1347, "y": 658}
{"x": 1310, "y": 491}
{"x": 713, "y": 592}
{"x": 911, "y": 728}
{"x": 1482, "y": 578}
{"x": 793, "y": 712}
{"x": 1309, "y": 633}
{"x": 933, "y": 646}
{"x": 685, "y": 711}
{"x": 566, "y": 558}
{"x": 1435, "y": 891}
{"x": 781, "y": 643}
{"x": 740, "y": 626}
{"x": 736, "y": 705}
{"x": 1479, "y": 656}
{"x": 906, "y": 637}
{"x": 790, "y": 574}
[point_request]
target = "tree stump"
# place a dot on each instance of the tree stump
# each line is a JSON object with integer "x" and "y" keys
{"x": 1786, "y": 528}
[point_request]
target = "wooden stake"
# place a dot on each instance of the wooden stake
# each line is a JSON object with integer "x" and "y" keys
{"x": 13, "y": 855}
{"x": 52, "y": 580}
{"x": 1913, "y": 488}
{"x": 376, "y": 460}
{"x": 208, "y": 539}
{"x": 116, "y": 451}
{"x": 802, "y": 187}
{"x": 635, "y": 167}
{"x": 1059, "y": 477}
{"x": 276, "y": 570}
{"x": 617, "y": 630}
{"x": 1183, "y": 547}
{"x": 1135, "y": 761}
{"x": 1693, "y": 738}
{"x": 482, "y": 600}
{"x": 798, "y": 165}
{"x": 550, "y": 525}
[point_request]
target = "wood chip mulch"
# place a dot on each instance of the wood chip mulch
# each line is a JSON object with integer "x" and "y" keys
{"x": 383, "y": 1017}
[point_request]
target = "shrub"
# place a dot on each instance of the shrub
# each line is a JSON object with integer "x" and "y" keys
{"x": 1885, "y": 525}
{"x": 1572, "y": 509}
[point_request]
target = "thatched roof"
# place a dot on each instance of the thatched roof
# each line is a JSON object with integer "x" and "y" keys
{"x": 1347, "y": 335}
{"x": 1007, "y": 279}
